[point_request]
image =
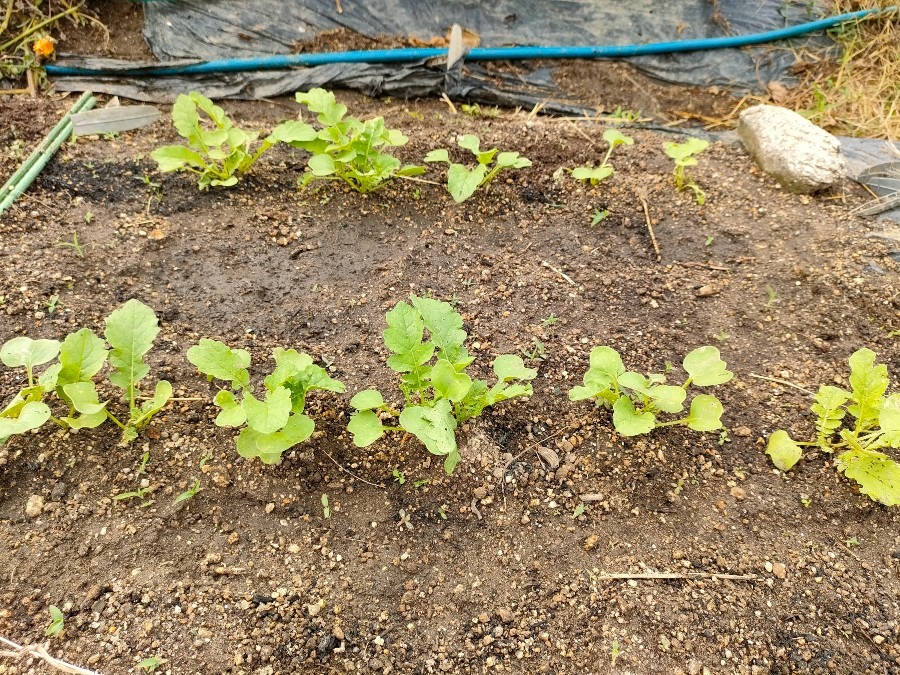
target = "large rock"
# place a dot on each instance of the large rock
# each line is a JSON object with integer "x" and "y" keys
{"x": 790, "y": 148}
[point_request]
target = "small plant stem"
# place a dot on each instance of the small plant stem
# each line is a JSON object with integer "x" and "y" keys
{"x": 115, "y": 420}
{"x": 784, "y": 382}
{"x": 653, "y": 241}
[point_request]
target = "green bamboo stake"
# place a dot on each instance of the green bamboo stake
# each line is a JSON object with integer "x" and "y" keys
{"x": 37, "y": 160}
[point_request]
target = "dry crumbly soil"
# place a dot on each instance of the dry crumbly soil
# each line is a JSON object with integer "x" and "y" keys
{"x": 488, "y": 570}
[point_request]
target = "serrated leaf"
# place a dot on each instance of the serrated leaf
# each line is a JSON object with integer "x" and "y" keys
{"x": 448, "y": 383}
{"x": 266, "y": 417}
{"x": 322, "y": 102}
{"x": 405, "y": 328}
{"x": 705, "y": 414}
{"x": 868, "y": 382}
{"x": 630, "y": 422}
{"x": 269, "y": 447}
{"x": 218, "y": 360}
{"x": 232, "y": 413}
{"x": 24, "y": 352}
{"x": 450, "y": 462}
{"x": 706, "y": 368}
{"x": 434, "y": 427}
{"x": 186, "y": 120}
{"x": 889, "y": 415}
{"x": 81, "y": 356}
{"x": 444, "y": 323}
{"x": 130, "y": 331}
{"x": 289, "y": 363}
{"x": 292, "y": 131}
{"x": 877, "y": 474}
{"x": 511, "y": 367}
{"x": 785, "y": 453}
{"x": 829, "y": 413}
{"x": 365, "y": 427}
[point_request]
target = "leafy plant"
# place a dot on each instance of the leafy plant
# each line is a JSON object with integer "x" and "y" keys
{"x": 685, "y": 155}
{"x": 636, "y": 400}
{"x": 189, "y": 493}
{"x": 873, "y": 425}
{"x": 57, "y": 622}
{"x": 276, "y": 423}
{"x": 218, "y": 151}
{"x": 593, "y": 175}
{"x": 438, "y": 393}
{"x": 150, "y": 664}
{"x": 462, "y": 182}
{"x": 347, "y": 149}
{"x": 130, "y": 332}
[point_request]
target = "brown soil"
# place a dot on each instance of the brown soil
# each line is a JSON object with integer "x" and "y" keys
{"x": 488, "y": 569}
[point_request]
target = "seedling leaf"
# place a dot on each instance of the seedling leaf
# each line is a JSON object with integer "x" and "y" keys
{"x": 367, "y": 399}
{"x": 232, "y": 414}
{"x": 629, "y": 421}
{"x": 365, "y": 427}
{"x": 267, "y": 417}
{"x": 270, "y": 446}
{"x": 785, "y": 453}
{"x": 877, "y": 474}
{"x": 218, "y": 360}
{"x": 868, "y": 382}
{"x": 706, "y": 413}
{"x": 24, "y": 352}
{"x": 706, "y": 368}
{"x": 130, "y": 331}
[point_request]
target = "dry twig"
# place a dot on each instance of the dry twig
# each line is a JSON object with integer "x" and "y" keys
{"x": 18, "y": 652}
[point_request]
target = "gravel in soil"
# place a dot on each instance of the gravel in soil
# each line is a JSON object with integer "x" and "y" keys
{"x": 505, "y": 566}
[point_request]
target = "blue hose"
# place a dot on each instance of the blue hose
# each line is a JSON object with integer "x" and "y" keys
{"x": 478, "y": 54}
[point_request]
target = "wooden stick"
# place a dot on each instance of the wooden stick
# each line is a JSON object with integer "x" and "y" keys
{"x": 544, "y": 263}
{"x": 643, "y": 199}
{"x": 40, "y": 651}
{"x": 676, "y": 575}
{"x": 784, "y": 382}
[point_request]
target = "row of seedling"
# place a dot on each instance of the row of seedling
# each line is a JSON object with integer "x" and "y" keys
{"x": 437, "y": 393}
{"x": 358, "y": 152}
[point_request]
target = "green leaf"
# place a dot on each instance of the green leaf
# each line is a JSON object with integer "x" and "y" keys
{"x": 403, "y": 336}
{"x": 81, "y": 355}
{"x": 785, "y": 453}
{"x": 186, "y": 120}
{"x": 161, "y": 395}
{"x": 630, "y": 422}
{"x": 829, "y": 412}
{"x": 593, "y": 175}
{"x": 582, "y": 393}
{"x": 705, "y": 415}
{"x": 615, "y": 137}
{"x": 682, "y": 151}
{"x": 445, "y": 325}
{"x": 23, "y": 351}
{"x": 270, "y": 446}
{"x": 322, "y": 165}
{"x": 668, "y": 398}
{"x": 232, "y": 414}
{"x": 84, "y": 398}
{"x": 365, "y": 427}
{"x": 368, "y": 399}
{"x": 511, "y": 367}
{"x": 512, "y": 160}
{"x": 434, "y": 427}
{"x": 877, "y": 474}
{"x": 889, "y": 415}
{"x": 175, "y": 157}
{"x": 31, "y": 415}
{"x": 868, "y": 382}
{"x": 706, "y": 368}
{"x": 330, "y": 112}
{"x": 439, "y": 155}
{"x": 450, "y": 462}
{"x": 292, "y": 131}
{"x": 270, "y": 415}
{"x": 448, "y": 383}
{"x": 462, "y": 183}
{"x": 218, "y": 360}
{"x": 130, "y": 331}
{"x": 607, "y": 362}
{"x": 289, "y": 363}
{"x": 470, "y": 142}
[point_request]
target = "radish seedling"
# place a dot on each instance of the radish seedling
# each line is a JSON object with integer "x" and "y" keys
{"x": 347, "y": 149}
{"x": 462, "y": 182}
{"x": 684, "y": 155}
{"x": 438, "y": 395}
{"x": 219, "y": 152}
{"x": 593, "y": 175}
{"x": 272, "y": 425}
{"x": 875, "y": 425}
{"x": 636, "y": 400}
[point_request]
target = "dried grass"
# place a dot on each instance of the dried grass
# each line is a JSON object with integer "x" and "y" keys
{"x": 857, "y": 93}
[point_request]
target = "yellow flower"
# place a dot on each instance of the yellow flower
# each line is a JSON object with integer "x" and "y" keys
{"x": 44, "y": 46}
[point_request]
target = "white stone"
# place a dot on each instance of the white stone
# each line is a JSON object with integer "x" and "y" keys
{"x": 34, "y": 506}
{"x": 801, "y": 156}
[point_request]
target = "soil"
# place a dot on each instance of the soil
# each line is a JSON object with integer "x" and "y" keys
{"x": 510, "y": 564}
